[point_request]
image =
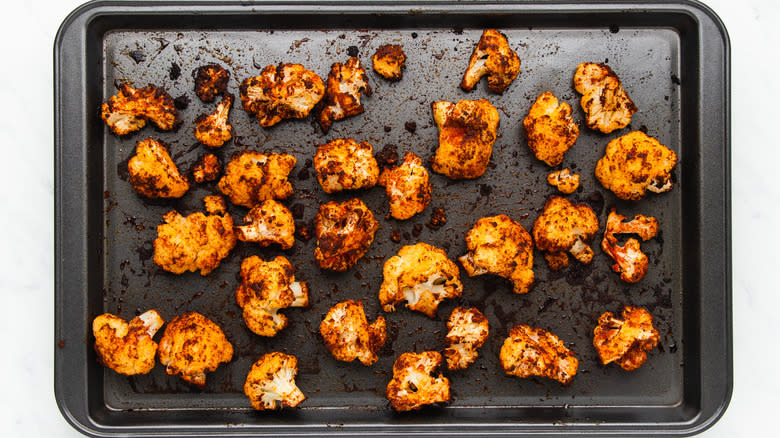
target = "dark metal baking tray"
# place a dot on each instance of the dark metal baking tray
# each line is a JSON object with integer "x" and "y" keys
{"x": 673, "y": 58}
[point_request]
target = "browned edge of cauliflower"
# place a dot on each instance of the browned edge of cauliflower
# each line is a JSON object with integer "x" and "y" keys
{"x": 207, "y": 168}
{"x": 348, "y": 336}
{"x": 342, "y": 95}
{"x": 467, "y": 132}
{"x": 536, "y": 352}
{"x": 345, "y": 164}
{"x": 252, "y": 177}
{"x": 286, "y": 91}
{"x": 629, "y": 259}
{"x": 389, "y": 61}
{"x": 214, "y": 129}
{"x": 344, "y": 232}
{"x": 492, "y": 57}
{"x": 565, "y": 227}
{"x": 210, "y": 80}
{"x": 153, "y": 173}
{"x": 408, "y": 187}
{"x": 413, "y": 385}
{"x": 625, "y": 341}
{"x": 129, "y": 109}
{"x": 550, "y": 129}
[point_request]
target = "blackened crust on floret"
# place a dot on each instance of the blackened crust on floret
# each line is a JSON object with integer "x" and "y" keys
{"x": 210, "y": 81}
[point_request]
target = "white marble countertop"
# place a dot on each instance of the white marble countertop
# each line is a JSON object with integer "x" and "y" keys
{"x": 27, "y": 406}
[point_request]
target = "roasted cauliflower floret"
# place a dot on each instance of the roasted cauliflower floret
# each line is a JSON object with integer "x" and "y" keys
{"x": 130, "y": 108}
{"x": 629, "y": 259}
{"x": 344, "y": 233}
{"x": 213, "y": 130}
{"x": 344, "y": 164}
{"x": 211, "y": 80}
{"x": 215, "y": 204}
{"x": 413, "y": 385}
{"x": 564, "y": 180}
{"x": 193, "y": 345}
{"x": 268, "y": 223}
{"x": 421, "y": 275}
{"x": 266, "y": 288}
{"x": 407, "y": 186}
{"x": 342, "y": 95}
{"x": 270, "y": 383}
{"x": 565, "y": 227}
{"x": 535, "y": 352}
{"x": 634, "y": 164}
{"x": 389, "y": 60}
{"x": 492, "y": 57}
{"x": 348, "y": 336}
{"x": 288, "y": 91}
{"x": 467, "y": 131}
{"x": 550, "y": 129}
{"x": 153, "y": 173}
{"x": 195, "y": 242}
{"x": 127, "y": 348}
{"x": 625, "y": 341}
{"x": 468, "y": 330}
{"x": 252, "y": 177}
{"x": 606, "y": 104}
{"x": 206, "y": 169}
{"x": 500, "y": 246}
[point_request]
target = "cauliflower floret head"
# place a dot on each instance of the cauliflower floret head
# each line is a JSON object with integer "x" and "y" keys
{"x": 468, "y": 330}
{"x": 206, "y": 169}
{"x": 211, "y": 80}
{"x": 215, "y": 204}
{"x": 344, "y": 164}
{"x": 348, "y": 336}
{"x": 492, "y": 57}
{"x": 342, "y": 96}
{"x": 270, "y": 383}
{"x": 467, "y": 131}
{"x": 213, "y": 130}
{"x": 153, "y": 173}
{"x": 564, "y": 180}
{"x": 413, "y": 385}
{"x": 130, "y": 108}
{"x": 550, "y": 129}
{"x": 252, "y": 177}
{"x": 284, "y": 92}
{"x": 629, "y": 259}
{"x": 421, "y": 275}
{"x": 407, "y": 186}
{"x": 565, "y": 227}
{"x": 344, "y": 233}
{"x": 535, "y": 352}
{"x": 606, "y": 104}
{"x": 625, "y": 341}
{"x": 388, "y": 61}
{"x": 268, "y": 223}
{"x": 127, "y": 348}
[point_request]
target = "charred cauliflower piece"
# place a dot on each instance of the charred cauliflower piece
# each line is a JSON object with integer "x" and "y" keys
{"x": 550, "y": 130}
{"x": 565, "y": 227}
{"x": 606, "y": 104}
{"x": 500, "y": 246}
{"x": 413, "y": 385}
{"x": 210, "y": 80}
{"x": 344, "y": 164}
{"x": 268, "y": 223}
{"x": 492, "y": 57}
{"x": 407, "y": 186}
{"x": 564, "y": 180}
{"x": 127, "y": 348}
{"x": 270, "y": 383}
{"x": 389, "y": 60}
{"x": 195, "y": 242}
{"x": 206, "y": 169}
{"x": 213, "y": 130}
{"x": 535, "y": 352}
{"x": 467, "y": 131}
{"x": 288, "y": 91}
{"x": 629, "y": 259}
{"x": 625, "y": 341}
{"x": 342, "y": 96}
{"x": 266, "y": 288}
{"x": 635, "y": 163}
{"x": 215, "y": 204}
{"x": 153, "y": 173}
{"x": 421, "y": 275}
{"x": 130, "y": 108}
{"x": 348, "y": 336}
{"x": 468, "y": 330}
{"x": 193, "y": 345}
{"x": 344, "y": 233}
{"x": 252, "y": 177}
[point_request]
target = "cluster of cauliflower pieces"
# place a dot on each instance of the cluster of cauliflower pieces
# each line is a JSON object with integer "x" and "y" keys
{"x": 421, "y": 276}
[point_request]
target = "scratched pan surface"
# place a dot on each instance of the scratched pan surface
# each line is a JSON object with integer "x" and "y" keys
{"x": 650, "y": 58}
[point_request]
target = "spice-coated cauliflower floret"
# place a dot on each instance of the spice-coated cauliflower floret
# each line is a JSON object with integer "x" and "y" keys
{"x": 625, "y": 341}
{"x": 468, "y": 330}
{"x": 500, "y": 246}
{"x": 413, "y": 385}
{"x": 192, "y": 345}
{"x": 492, "y": 57}
{"x": 206, "y": 169}
{"x": 252, "y": 177}
{"x": 344, "y": 232}
{"x": 344, "y": 164}
{"x": 421, "y": 275}
{"x": 215, "y": 204}
{"x": 127, "y": 348}
{"x": 634, "y": 164}
{"x": 270, "y": 383}
{"x": 564, "y": 180}
{"x": 153, "y": 173}
{"x": 535, "y": 352}
{"x": 268, "y": 223}
{"x": 565, "y": 227}
{"x": 550, "y": 129}
{"x": 266, "y": 288}
{"x": 467, "y": 131}
{"x": 606, "y": 104}
{"x": 629, "y": 259}
{"x": 342, "y": 95}
{"x": 348, "y": 336}
{"x": 210, "y": 80}
{"x": 407, "y": 186}
{"x": 213, "y": 130}
{"x": 130, "y": 108}
{"x": 284, "y": 92}
{"x": 388, "y": 61}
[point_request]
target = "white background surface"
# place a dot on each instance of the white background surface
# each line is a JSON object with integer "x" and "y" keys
{"x": 27, "y": 406}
